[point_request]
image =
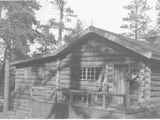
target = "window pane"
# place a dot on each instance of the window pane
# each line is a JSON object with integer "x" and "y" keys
{"x": 90, "y": 73}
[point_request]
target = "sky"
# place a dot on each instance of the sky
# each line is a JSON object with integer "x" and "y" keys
{"x": 105, "y": 14}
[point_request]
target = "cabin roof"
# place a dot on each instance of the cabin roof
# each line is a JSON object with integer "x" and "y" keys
{"x": 144, "y": 49}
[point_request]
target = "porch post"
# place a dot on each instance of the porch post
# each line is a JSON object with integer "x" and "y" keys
{"x": 127, "y": 96}
{"x": 6, "y": 86}
{"x": 58, "y": 74}
{"x": 104, "y": 100}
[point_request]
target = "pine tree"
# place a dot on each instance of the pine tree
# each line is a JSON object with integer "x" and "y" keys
{"x": 15, "y": 31}
{"x": 65, "y": 15}
{"x": 78, "y": 28}
{"x": 158, "y": 15}
{"x": 137, "y": 20}
{"x": 16, "y": 27}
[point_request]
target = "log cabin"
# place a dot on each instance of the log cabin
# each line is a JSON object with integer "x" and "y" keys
{"x": 97, "y": 68}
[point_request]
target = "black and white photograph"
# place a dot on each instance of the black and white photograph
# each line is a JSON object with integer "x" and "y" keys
{"x": 79, "y": 59}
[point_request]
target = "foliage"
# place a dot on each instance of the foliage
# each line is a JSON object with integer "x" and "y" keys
{"x": 137, "y": 19}
{"x": 16, "y": 28}
{"x": 158, "y": 15}
{"x": 78, "y": 28}
{"x": 46, "y": 40}
{"x": 65, "y": 16}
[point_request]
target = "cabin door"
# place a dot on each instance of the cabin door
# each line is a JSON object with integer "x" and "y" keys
{"x": 116, "y": 82}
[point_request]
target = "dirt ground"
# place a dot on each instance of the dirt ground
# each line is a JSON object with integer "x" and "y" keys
{"x": 78, "y": 112}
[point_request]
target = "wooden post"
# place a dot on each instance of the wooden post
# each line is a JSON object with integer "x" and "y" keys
{"x": 6, "y": 86}
{"x": 104, "y": 100}
{"x": 87, "y": 100}
{"x": 70, "y": 98}
{"x": 58, "y": 75}
{"x": 127, "y": 96}
{"x": 58, "y": 79}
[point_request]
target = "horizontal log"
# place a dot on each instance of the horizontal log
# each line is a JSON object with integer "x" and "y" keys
{"x": 155, "y": 88}
{"x": 20, "y": 69}
{"x": 51, "y": 82}
{"x": 25, "y": 93}
{"x": 51, "y": 64}
{"x": 81, "y": 87}
{"x": 22, "y": 112}
{"x": 65, "y": 74}
{"x": 91, "y": 63}
{"x": 20, "y": 73}
{"x": 63, "y": 77}
{"x": 83, "y": 82}
{"x": 65, "y": 71}
{"x": 92, "y": 59}
{"x": 22, "y": 100}
{"x": 155, "y": 93}
{"x": 42, "y": 93}
{"x": 19, "y": 78}
{"x": 23, "y": 81}
{"x": 155, "y": 83}
{"x": 37, "y": 91}
{"x": 155, "y": 74}
{"x": 21, "y": 109}
{"x": 42, "y": 87}
{"x": 22, "y": 84}
{"x": 24, "y": 77}
{"x": 24, "y": 96}
{"x": 24, "y": 105}
{"x": 155, "y": 79}
{"x": 155, "y": 99}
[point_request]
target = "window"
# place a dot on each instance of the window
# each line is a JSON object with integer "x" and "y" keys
{"x": 90, "y": 73}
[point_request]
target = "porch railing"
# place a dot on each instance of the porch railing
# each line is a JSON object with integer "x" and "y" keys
{"x": 87, "y": 97}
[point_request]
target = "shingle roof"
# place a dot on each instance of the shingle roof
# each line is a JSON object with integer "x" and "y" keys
{"x": 142, "y": 48}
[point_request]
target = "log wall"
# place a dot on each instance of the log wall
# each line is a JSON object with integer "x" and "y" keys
{"x": 23, "y": 83}
{"x": 155, "y": 83}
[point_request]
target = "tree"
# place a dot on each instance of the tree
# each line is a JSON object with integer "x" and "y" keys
{"x": 15, "y": 31}
{"x": 153, "y": 34}
{"x": 16, "y": 28}
{"x": 46, "y": 40}
{"x": 137, "y": 19}
{"x": 158, "y": 15}
{"x": 64, "y": 12}
{"x": 78, "y": 28}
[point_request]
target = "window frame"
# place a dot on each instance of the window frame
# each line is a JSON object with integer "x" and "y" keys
{"x": 89, "y": 73}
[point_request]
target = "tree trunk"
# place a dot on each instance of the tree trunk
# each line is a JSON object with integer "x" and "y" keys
{"x": 6, "y": 86}
{"x": 61, "y": 24}
{"x": 6, "y": 83}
